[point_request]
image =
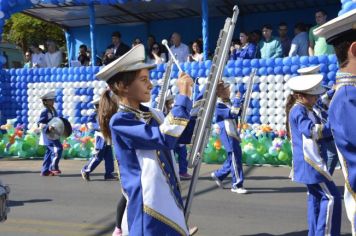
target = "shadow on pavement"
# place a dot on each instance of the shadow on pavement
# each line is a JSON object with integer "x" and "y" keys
{"x": 13, "y": 203}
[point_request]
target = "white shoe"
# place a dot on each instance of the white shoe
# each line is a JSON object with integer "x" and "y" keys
{"x": 239, "y": 190}
{"x": 217, "y": 180}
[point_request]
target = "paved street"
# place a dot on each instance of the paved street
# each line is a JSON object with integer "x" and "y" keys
{"x": 68, "y": 206}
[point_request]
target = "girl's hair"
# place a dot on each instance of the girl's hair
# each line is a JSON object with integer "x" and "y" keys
{"x": 291, "y": 99}
{"x": 46, "y": 105}
{"x": 108, "y": 104}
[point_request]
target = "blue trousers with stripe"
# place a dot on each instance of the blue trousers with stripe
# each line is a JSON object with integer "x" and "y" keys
{"x": 233, "y": 165}
{"x": 324, "y": 209}
{"x": 181, "y": 151}
{"x": 52, "y": 156}
{"x": 101, "y": 154}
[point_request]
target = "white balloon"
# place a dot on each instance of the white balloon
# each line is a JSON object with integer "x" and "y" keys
{"x": 84, "y": 98}
{"x": 264, "y": 119}
{"x": 263, "y": 87}
{"x": 271, "y": 119}
{"x": 280, "y": 102}
{"x": 263, "y": 95}
{"x": 154, "y": 82}
{"x": 270, "y": 79}
{"x": 201, "y": 87}
{"x": 279, "y": 78}
{"x": 238, "y": 80}
{"x": 83, "y": 112}
{"x": 172, "y": 82}
{"x": 286, "y": 94}
{"x": 245, "y": 79}
{"x": 271, "y": 103}
{"x": 249, "y": 111}
{"x": 263, "y": 79}
{"x": 279, "y": 87}
{"x": 279, "y": 94}
{"x": 175, "y": 89}
{"x": 263, "y": 111}
{"x": 255, "y": 95}
{"x": 287, "y": 77}
{"x": 263, "y": 101}
{"x": 270, "y": 87}
{"x": 271, "y": 95}
{"x": 201, "y": 80}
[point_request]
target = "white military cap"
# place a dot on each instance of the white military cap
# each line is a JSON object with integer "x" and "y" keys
{"x": 338, "y": 26}
{"x": 96, "y": 101}
{"x": 309, "y": 70}
{"x": 131, "y": 61}
{"x": 48, "y": 96}
{"x": 307, "y": 84}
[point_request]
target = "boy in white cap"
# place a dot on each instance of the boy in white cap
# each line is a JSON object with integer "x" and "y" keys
{"x": 226, "y": 116}
{"x": 341, "y": 33}
{"x": 103, "y": 150}
{"x": 53, "y": 147}
{"x": 307, "y": 132}
{"x": 142, "y": 139}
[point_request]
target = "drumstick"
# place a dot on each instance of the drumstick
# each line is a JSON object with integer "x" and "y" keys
{"x": 165, "y": 43}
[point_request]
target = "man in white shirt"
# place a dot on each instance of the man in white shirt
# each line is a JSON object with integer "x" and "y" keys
{"x": 179, "y": 49}
{"x": 53, "y": 57}
{"x": 37, "y": 57}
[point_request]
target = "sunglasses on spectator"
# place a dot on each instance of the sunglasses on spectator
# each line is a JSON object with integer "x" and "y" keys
{"x": 155, "y": 48}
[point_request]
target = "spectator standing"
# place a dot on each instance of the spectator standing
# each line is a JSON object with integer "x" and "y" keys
{"x": 284, "y": 39}
{"x": 118, "y": 48}
{"x": 197, "y": 54}
{"x": 179, "y": 49}
{"x": 83, "y": 57}
{"x": 37, "y": 56}
{"x": 28, "y": 62}
{"x": 299, "y": 45}
{"x": 318, "y": 45}
{"x": 156, "y": 56}
{"x": 269, "y": 47}
{"x": 53, "y": 57}
{"x": 246, "y": 50}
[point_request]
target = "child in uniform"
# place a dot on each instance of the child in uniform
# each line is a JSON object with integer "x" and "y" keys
{"x": 53, "y": 147}
{"x": 309, "y": 167}
{"x": 102, "y": 151}
{"x": 143, "y": 140}
{"x": 226, "y": 116}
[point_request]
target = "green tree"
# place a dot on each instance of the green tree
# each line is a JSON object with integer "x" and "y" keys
{"x": 22, "y": 30}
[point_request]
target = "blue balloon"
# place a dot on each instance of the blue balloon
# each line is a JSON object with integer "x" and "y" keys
{"x": 186, "y": 66}
{"x": 270, "y": 70}
{"x": 331, "y": 83}
{"x": 262, "y": 62}
{"x": 255, "y": 63}
{"x": 194, "y": 65}
{"x": 324, "y": 68}
{"x": 201, "y": 72}
{"x": 249, "y": 119}
{"x": 286, "y": 69}
{"x": 262, "y": 71}
{"x": 295, "y": 60}
{"x": 270, "y": 62}
{"x": 201, "y": 65}
{"x": 287, "y": 61}
{"x": 278, "y": 70}
{"x": 231, "y": 63}
{"x": 255, "y": 103}
{"x": 304, "y": 60}
{"x": 230, "y": 72}
{"x": 331, "y": 76}
{"x": 194, "y": 73}
{"x": 333, "y": 67}
{"x": 246, "y": 71}
{"x": 246, "y": 63}
{"x": 294, "y": 69}
{"x": 323, "y": 59}
{"x": 313, "y": 60}
{"x": 207, "y": 64}
{"x": 278, "y": 61}
{"x": 237, "y": 71}
{"x": 238, "y": 62}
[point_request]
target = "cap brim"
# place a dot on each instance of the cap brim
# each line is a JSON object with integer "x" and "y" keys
{"x": 309, "y": 70}
{"x": 318, "y": 91}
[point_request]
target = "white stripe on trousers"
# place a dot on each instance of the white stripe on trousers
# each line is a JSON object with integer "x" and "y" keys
{"x": 237, "y": 176}
{"x": 329, "y": 213}
{"x": 55, "y": 150}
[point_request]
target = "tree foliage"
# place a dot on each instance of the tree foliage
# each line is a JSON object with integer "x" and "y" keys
{"x": 22, "y": 30}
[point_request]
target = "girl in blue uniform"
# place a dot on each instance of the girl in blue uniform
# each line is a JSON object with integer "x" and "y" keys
{"x": 226, "y": 116}
{"x": 102, "y": 151}
{"x": 143, "y": 139}
{"x": 309, "y": 167}
{"x": 53, "y": 147}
